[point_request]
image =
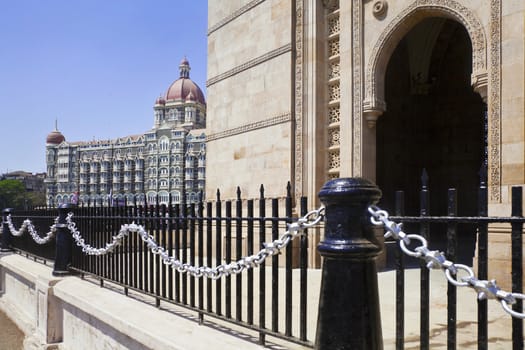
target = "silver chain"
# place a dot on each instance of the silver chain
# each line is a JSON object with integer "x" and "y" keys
{"x": 272, "y": 248}
{"x": 29, "y": 227}
{"x": 436, "y": 260}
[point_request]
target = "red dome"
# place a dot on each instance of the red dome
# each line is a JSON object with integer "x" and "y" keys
{"x": 160, "y": 101}
{"x": 181, "y": 88}
{"x": 55, "y": 137}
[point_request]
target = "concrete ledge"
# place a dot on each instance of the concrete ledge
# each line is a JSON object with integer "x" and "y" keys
{"x": 124, "y": 317}
{"x": 71, "y": 313}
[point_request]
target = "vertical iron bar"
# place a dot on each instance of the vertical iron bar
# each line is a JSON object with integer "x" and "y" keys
{"x": 129, "y": 251}
{"x": 483, "y": 258}
{"x": 209, "y": 215}
{"x": 156, "y": 262}
{"x": 249, "y": 252}
{"x": 288, "y": 267}
{"x": 147, "y": 260}
{"x": 140, "y": 256}
{"x": 218, "y": 252}
{"x": 192, "y": 252}
{"x": 262, "y": 267}
{"x": 400, "y": 279}
{"x": 121, "y": 247}
{"x": 451, "y": 255}
{"x": 517, "y": 265}
{"x": 200, "y": 253}
{"x": 171, "y": 232}
{"x": 425, "y": 278}
{"x": 275, "y": 267}
{"x": 164, "y": 244}
{"x": 178, "y": 225}
{"x": 238, "y": 252}
{"x": 303, "y": 282}
{"x": 228, "y": 257}
{"x": 184, "y": 277}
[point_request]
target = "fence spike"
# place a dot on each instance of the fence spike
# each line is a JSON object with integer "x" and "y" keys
{"x": 483, "y": 176}
{"x": 424, "y": 179}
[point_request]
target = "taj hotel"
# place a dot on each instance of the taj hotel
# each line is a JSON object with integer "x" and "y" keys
{"x": 166, "y": 161}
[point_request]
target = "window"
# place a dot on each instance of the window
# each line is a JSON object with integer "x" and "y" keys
{"x": 164, "y": 144}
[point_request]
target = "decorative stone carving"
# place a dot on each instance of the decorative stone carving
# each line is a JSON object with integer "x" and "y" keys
{"x": 331, "y": 5}
{"x": 494, "y": 102}
{"x": 480, "y": 84}
{"x": 379, "y": 9}
{"x": 357, "y": 96}
{"x": 371, "y": 117}
{"x": 334, "y": 91}
{"x": 298, "y": 97}
{"x": 334, "y": 114}
{"x": 374, "y": 88}
{"x": 485, "y": 79}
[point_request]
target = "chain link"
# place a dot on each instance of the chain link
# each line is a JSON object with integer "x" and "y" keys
{"x": 436, "y": 260}
{"x": 272, "y": 248}
{"x": 28, "y": 226}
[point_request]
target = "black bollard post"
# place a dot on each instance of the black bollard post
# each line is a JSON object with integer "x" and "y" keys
{"x": 5, "y": 244}
{"x": 63, "y": 242}
{"x": 349, "y": 315}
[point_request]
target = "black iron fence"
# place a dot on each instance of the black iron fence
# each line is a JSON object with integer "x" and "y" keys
{"x": 268, "y": 300}
{"x": 272, "y": 300}
{"x": 463, "y": 240}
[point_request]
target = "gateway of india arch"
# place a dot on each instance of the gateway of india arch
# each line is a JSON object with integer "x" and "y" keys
{"x": 309, "y": 90}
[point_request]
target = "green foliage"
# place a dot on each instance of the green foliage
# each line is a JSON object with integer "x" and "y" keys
{"x": 12, "y": 194}
{"x": 35, "y": 199}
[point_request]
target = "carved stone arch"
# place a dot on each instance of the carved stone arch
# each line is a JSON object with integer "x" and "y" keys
{"x": 374, "y": 104}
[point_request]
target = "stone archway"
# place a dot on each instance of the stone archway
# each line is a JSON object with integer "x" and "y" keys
{"x": 435, "y": 121}
{"x": 374, "y": 103}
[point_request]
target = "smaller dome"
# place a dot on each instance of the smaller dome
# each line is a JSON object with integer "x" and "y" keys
{"x": 160, "y": 101}
{"x": 184, "y": 62}
{"x": 55, "y": 137}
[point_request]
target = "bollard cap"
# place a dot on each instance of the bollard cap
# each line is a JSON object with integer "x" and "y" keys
{"x": 358, "y": 188}
{"x": 348, "y": 232}
{"x": 7, "y": 211}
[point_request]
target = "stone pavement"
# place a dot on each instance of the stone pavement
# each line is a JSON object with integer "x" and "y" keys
{"x": 11, "y": 337}
{"x": 499, "y": 326}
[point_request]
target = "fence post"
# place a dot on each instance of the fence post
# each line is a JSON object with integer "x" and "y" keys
{"x": 349, "y": 315}
{"x": 63, "y": 242}
{"x": 5, "y": 244}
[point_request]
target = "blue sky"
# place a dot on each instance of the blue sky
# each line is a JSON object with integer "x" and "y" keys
{"x": 96, "y": 66}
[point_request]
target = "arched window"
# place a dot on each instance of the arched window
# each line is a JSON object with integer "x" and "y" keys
{"x": 164, "y": 144}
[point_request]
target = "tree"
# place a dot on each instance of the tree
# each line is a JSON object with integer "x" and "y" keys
{"x": 12, "y": 193}
{"x": 35, "y": 199}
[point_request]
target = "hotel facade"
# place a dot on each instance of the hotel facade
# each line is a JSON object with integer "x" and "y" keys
{"x": 166, "y": 163}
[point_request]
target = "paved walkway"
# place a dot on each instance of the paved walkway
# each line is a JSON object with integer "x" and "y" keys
{"x": 499, "y": 326}
{"x": 11, "y": 337}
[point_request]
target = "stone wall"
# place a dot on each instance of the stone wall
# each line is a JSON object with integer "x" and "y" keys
{"x": 71, "y": 313}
